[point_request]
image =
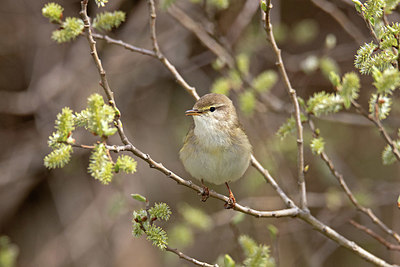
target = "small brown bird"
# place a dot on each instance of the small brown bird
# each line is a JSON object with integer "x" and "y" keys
{"x": 216, "y": 149}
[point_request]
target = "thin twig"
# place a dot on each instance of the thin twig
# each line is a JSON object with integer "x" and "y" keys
{"x": 380, "y": 127}
{"x": 376, "y": 236}
{"x": 127, "y": 46}
{"x": 341, "y": 18}
{"x": 191, "y": 90}
{"x": 203, "y": 36}
{"x": 189, "y": 259}
{"x": 293, "y": 96}
{"x": 348, "y": 192}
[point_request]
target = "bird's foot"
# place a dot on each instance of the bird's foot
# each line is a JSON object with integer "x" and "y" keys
{"x": 230, "y": 204}
{"x": 205, "y": 193}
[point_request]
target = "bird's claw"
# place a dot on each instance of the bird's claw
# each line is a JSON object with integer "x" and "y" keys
{"x": 205, "y": 194}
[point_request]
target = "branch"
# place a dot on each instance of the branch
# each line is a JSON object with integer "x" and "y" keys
{"x": 203, "y": 36}
{"x": 380, "y": 127}
{"x": 189, "y": 259}
{"x": 376, "y": 236}
{"x": 292, "y": 94}
{"x": 191, "y": 90}
{"x": 127, "y": 46}
{"x": 348, "y": 192}
{"x": 340, "y": 18}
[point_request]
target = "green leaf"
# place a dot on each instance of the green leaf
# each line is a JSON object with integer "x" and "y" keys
{"x": 8, "y": 252}
{"x": 305, "y": 31}
{"x": 243, "y": 63}
{"x": 101, "y": 3}
{"x": 248, "y": 244}
{"x": 324, "y": 103}
{"x": 383, "y": 104}
{"x": 160, "y": 211}
{"x": 100, "y": 166}
{"x": 391, "y": 5}
{"x": 349, "y": 88}
{"x": 328, "y": 65}
{"x": 228, "y": 261}
{"x": 100, "y": 116}
{"x": 247, "y": 102}
{"x": 59, "y": 157}
{"x": 388, "y": 157}
{"x": 273, "y": 231}
{"x": 317, "y": 145}
{"x": 126, "y": 164}
{"x": 195, "y": 217}
{"x": 373, "y": 9}
{"x": 220, "y": 4}
{"x": 221, "y": 86}
{"x": 387, "y": 81}
{"x": 53, "y": 12}
{"x": 265, "y": 81}
{"x": 181, "y": 235}
{"x": 70, "y": 29}
{"x": 158, "y": 236}
{"x": 106, "y": 21}
{"x": 287, "y": 128}
{"x": 358, "y": 5}
{"x": 263, "y": 6}
{"x": 334, "y": 78}
{"x": 138, "y": 197}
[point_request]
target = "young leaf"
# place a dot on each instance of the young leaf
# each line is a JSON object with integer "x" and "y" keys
{"x": 158, "y": 236}
{"x": 388, "y": 156}
{"x": 101, "y": 3}
{"x": 138, "y": 197}
{"x": 324, "y": 103}
{"x": 317, "y": 145}
{"x": 100, "y": 166}
{"x": 228, "y": 261}
{"x": 380, "y": 107}
{"x": 349, "y": 88}
{"x": 71, "y": 28}
{"x": 221, "y": 86}
{"x": 53, "y": 12}
{"x": 160, "y": 211}
{"x": 59, "y": 157}
{"x": 126, "y": 164}
{"x": 265, "y": 81}
{"x": 106, "y": 21}
{"x": 247, "y": 102}
{"x": 387, "y": 81}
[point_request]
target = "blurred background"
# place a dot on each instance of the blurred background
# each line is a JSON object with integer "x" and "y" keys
{"x": 64, "y": 217}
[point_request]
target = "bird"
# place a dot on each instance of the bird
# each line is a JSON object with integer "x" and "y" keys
{"x": 216, "y": 149}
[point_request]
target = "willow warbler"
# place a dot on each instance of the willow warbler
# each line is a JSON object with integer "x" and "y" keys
{"x": 216, "y": 149}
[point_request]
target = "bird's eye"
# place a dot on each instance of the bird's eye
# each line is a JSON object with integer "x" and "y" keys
{"x": 212, "y": 109}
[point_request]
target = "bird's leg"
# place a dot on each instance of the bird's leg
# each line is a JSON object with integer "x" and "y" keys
{"x": 205, "y": 193}
{"x": 232, "y": 201}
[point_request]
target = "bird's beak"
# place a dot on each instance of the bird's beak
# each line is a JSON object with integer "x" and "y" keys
{"x": 193, "y": 112}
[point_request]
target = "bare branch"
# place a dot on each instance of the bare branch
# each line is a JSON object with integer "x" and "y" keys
{"x": 376, "y": 236}
{"x": 203, "y": 36}
{"x": 380, "y": 127}
{"x": 127, "y": 46}
{"x": 340, "y": 18}
{"x": 348, "y": 192}
{"x": 152, "y": 12}
{"x": 189, "y": 259}
{"x": 293, "y": 97}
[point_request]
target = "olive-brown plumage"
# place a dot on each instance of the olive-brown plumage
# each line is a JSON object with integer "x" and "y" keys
{"x": 216, "y": 149}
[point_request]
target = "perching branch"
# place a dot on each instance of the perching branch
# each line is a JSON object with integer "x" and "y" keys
{"x": 293, "y": 97}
